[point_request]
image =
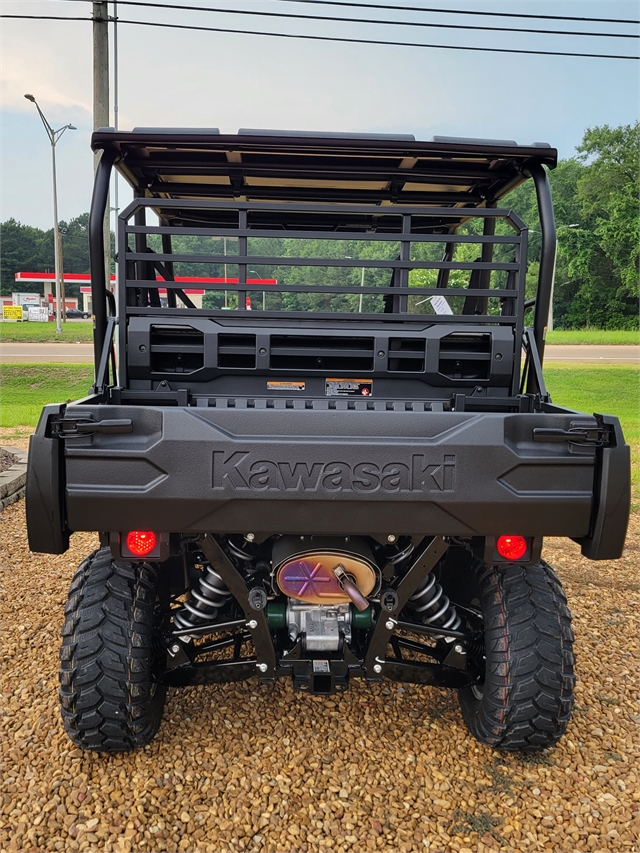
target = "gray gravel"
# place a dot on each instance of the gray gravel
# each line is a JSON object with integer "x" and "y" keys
{"x": 387, "y": 767}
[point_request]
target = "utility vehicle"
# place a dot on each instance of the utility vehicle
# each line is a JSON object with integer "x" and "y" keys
{"x": 352, "y": 480}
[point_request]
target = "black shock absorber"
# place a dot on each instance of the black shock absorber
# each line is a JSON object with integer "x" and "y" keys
{"x": 433, "y": 607}
{"x": 203, "y": 603}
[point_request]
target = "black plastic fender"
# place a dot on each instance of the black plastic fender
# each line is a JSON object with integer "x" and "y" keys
{"x": 44, "y": 495}
{"x": 612, "y": 496}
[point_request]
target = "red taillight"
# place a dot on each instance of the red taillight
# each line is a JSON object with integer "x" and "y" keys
{"x": 141, "y": 542}
{"x": 511, "y": 547}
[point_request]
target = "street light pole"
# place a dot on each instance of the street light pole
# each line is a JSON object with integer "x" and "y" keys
{"x": 54, "y": 136}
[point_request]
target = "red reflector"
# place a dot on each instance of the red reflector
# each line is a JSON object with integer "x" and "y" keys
{"x": 141, "y": 542}
{"x": 511, "y": 547}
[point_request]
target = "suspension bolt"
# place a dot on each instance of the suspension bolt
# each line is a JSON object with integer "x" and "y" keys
{"x": 459, "y": 650}
{"x": 391, "y": 538}
{"x": 175, "y": 648}
{"x": 263, "y": 667}
{"x": 377, "y": 668}
{"x": 389, "y": 624}
{"x": 250, "y": 537}
{"x": 253, "y": 624}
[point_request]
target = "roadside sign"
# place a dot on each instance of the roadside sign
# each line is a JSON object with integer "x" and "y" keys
{"x": 12, "y": 312}
{"x": 38, "y": 314}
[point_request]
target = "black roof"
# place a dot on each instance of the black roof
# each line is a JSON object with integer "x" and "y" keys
{"x": 300, "y": 166}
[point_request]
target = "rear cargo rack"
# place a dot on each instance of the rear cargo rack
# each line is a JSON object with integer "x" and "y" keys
{"x": 404, "y": 258}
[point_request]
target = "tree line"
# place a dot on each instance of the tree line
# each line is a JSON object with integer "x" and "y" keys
{"x": 595, "y": 198}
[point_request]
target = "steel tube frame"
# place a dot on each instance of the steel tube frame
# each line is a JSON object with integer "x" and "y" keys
{"x": 547, "y": 256}
{"x": 97, "y": 248}
{"x": 343, "y": 209}
{"x": 379, "y": 236}
{"x": 423, "y": 560}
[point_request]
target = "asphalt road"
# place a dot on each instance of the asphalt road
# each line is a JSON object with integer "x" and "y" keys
{"x": 83, "y": 353}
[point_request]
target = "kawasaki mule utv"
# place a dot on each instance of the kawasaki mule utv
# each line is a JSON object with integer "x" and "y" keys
{"x": 319, "y": 444}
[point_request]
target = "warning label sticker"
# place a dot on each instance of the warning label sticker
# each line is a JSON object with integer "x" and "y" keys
{"x": 285, "y": 386}
{"x": 348, "y": 387}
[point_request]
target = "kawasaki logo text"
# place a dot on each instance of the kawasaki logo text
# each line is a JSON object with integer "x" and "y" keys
{"x": 240, "y": 471}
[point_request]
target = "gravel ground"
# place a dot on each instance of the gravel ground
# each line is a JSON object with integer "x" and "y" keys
{"x": 388, "y": 767}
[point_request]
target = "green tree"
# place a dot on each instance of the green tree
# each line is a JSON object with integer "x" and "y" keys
{"x": 27, "y": 249}
{"x": 595, "y": 199}
{"x": 23, "y": 249}
{"x": 608, "y": 190}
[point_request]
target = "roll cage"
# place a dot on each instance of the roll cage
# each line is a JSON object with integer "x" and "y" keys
{"x": 393, "y": 192}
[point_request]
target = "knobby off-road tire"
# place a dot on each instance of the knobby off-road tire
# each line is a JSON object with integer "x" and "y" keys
{"x": 111, "y": 657}
{"x": 526, "y": 700}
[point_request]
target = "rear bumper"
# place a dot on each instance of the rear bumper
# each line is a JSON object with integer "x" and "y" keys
{"x": 265, "y": 471}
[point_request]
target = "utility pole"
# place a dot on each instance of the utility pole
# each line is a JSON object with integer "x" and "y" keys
{"x": 101, "y": 100}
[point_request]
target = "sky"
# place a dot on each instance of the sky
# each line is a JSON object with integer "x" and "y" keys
{"x": 180, "y": 78}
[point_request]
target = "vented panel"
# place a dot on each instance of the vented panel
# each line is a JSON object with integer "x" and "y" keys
{"x": 406, "y": 355}
{"x": 465, "y": 355}
{"x": 237, "y": 351}
{"x": 321, "y": 352}
{"x": 176, "y": 349}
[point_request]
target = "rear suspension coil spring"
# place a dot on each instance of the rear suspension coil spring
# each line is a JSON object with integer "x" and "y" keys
{"x": 401, "y": 553}
{"x": 238, "y": 552}
{"x": 433, "y": 607}
{"x": 203, "y": 603}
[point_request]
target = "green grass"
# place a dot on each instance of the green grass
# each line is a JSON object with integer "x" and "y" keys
{"x": 44, "y": 333}
{"x": 26, "y": 388}
{"x": 609, "y": 389}
{"x": 593, "y": 336}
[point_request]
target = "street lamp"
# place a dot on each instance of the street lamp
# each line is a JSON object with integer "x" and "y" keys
{"x": 350, "y": 258}
{"x": 54, "y": 136}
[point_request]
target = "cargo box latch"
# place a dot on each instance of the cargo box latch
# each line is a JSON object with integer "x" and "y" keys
{"x": 586, "y": 436}
{"x": 67, "y": 427}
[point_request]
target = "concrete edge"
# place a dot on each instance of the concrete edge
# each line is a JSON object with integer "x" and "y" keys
{"x": 13, "y": 480}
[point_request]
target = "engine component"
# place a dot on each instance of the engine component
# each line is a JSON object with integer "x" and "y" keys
{"x": 358, "y": 599}
{"x": 433, "y": 607}
{"x": 203, "y": 604}
{"x": 321, "y": 626}
{"x": 305, "y": 569}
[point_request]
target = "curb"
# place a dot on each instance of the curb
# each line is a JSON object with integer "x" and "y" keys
{"x": 12, "y": 481}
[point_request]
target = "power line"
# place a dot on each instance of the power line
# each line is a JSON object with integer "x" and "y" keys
{"x": 375, "y": 41}
{"x": 342, "y": 39}
{"x": 390, "y": 8}
{"x": 46, "y": 17}
{"x": 341, "y": 20}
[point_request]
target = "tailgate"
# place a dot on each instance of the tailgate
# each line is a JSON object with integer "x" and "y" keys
{"x": 340, "y": 471}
